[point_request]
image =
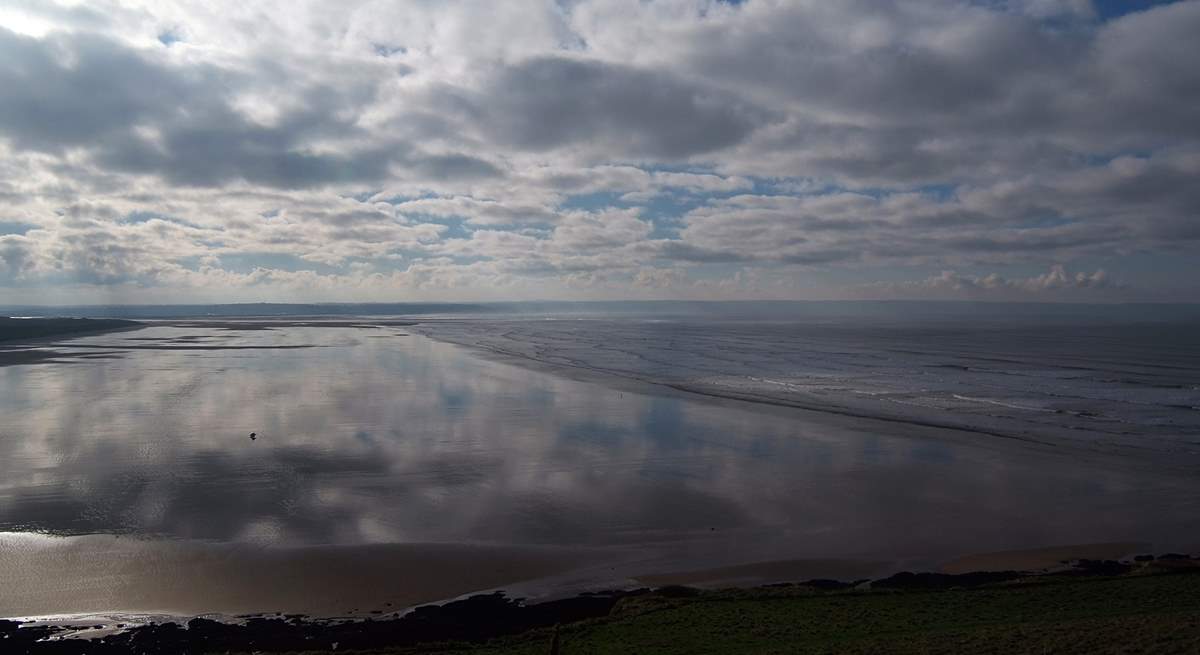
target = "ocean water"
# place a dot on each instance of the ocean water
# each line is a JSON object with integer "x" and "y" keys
{"x": 1125, "y": 388}
{"x": 630, "y": 437}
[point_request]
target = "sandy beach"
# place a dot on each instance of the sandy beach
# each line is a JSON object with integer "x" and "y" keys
{"x": 105, "y": 574}
{"x": 108, "y": 575}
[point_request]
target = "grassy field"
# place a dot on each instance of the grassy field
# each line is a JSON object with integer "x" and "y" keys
{"x": 1134, "y": 614}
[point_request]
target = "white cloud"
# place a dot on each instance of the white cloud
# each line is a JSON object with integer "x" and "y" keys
{"x": 1055, "y": 284}
{"x": 539, "y": 147}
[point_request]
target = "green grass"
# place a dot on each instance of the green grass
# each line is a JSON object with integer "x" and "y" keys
{"x": 1135, "y": 614}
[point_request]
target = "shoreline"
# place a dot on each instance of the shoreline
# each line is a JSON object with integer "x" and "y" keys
{"x": 121, "y": 576}
{"x": 498, "y": 620}
{"x": 38, "y": 349}
{"x": 108, "y": 576}
{"x": 1121, "y": 456}
{"x": 16, "y": 331}
{"x": 22, "y": 349}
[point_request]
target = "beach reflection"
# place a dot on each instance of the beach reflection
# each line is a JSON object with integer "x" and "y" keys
{"x": 372, "y": 436}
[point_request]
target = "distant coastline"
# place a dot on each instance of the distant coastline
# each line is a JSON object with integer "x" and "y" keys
{"x": 925, "y": 310}
{"x": 21, "y": 329}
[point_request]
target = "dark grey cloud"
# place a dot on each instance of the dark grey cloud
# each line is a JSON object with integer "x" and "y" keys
{"x": 921, "y": 93}
{"x": 219, "y": 153}
{"x": 72, "y": 90}
{"x": 554, "y": 102}
{"x": 14, "y": 254}
{"x": 456, "y": 166}
{"x": 139, "y": 115}
{"x": 686, "y": 252}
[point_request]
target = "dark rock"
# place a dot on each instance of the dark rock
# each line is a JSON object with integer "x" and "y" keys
{"x": 1099, "y": 567}
{"x": 908, "y": 580}
{"x": 477, "y": 618}
{"x": 677, "y": 591}
{"x": 827, "y": 585}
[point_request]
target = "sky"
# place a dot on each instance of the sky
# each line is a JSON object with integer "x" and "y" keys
{"x": 241, "y": 151}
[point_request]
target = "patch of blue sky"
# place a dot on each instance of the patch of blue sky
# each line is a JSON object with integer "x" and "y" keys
{"x": 1154, "y": 270}
{"x": 797, "y": 187}
{"x": 1105, "y": 9}
{"x": 386, "y": 50}
{"x": 456, "y": 226}
{"x": 663, "y": 210}
{"x": 1110, "y": 9}
{"x": 169, "y": 37}
{"x": 463, "y": 260}
{"x": 394, "y": 257}
{"x": 191, "y": 262}
{"x": 362, "y": 196}
{"x": 1105, "y": 158}
{"x": 401, "y": 199}
{"x": 14, "y": 227}
{"x": 939, "y": 192}
{"x": 665, "y": 213}
{"x": 144, "y": 216}
{"x": 247, "y": 262}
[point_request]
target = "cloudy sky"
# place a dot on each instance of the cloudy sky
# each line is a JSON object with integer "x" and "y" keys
{"x": 429, "y": 150}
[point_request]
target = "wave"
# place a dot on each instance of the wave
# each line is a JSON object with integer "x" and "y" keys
{"x": 1039, "y": 397}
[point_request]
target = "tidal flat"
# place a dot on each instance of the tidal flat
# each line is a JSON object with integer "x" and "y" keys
{"x": 391, "y": 468}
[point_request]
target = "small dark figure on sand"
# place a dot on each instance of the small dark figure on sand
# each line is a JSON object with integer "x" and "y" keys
{"x": 253, "y": 436}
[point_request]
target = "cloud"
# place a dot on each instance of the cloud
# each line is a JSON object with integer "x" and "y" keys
{"x": 1055, "y": 284}
{"x": 479, "y": 212}
{"x": 538, "y": 148}
{"x": 613, "y": 110}
{"x": 657, "y": 278}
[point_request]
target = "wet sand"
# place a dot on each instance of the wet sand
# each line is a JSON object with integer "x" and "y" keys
{"x": 23, "y": 341}
{"x": 107, "y": 575}
{"x": 759, "y": 573}
{"x": 30, "y": 341}
{"x": 27, "y": 329}
{"x": 1038, "y": 559}
{"x": 272, "y": 324}
{"x": 104, "y": 574}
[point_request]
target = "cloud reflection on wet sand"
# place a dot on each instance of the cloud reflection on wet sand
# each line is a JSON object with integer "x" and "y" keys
{"x": 367, "y": 441}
